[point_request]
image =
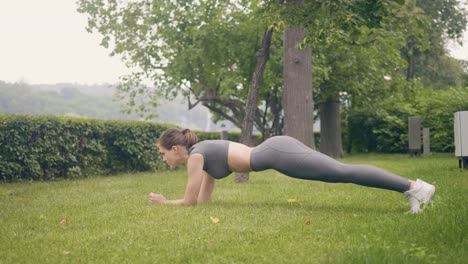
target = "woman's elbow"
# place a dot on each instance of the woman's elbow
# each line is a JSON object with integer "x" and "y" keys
{"x": 190, "y": 202}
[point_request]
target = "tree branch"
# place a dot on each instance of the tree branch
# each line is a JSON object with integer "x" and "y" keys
{"x": 222, "y": 113}
{"x": 190, "y": 105}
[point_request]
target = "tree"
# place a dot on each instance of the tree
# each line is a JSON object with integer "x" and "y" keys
{"x": 437, "y": 22}
{"x": 297, "y": 98}
{"x": 252, "y": 98}
{"x": 416, "y": 25}
{"x": 69, "y": 92}
{"x": 203, "y": 50}
{"x": 355, "y": 75}
{"x": 345, "y": 36}
{"x": 206, "y": 51}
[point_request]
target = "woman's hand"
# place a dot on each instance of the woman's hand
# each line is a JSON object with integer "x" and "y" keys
{"x": 157, "y": 198}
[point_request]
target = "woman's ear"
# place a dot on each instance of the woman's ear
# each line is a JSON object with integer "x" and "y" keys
{"x": 175, "y": 148}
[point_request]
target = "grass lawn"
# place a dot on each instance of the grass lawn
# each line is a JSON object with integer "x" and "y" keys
{"x": 109, "y": 219}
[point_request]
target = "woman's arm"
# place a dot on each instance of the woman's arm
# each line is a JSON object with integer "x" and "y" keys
{"x": 206, "y": 189}
{"x": 195, "y": 179}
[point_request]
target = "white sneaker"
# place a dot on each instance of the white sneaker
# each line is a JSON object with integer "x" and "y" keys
{"x": 420, "y": 194}
{"x": 415, "y": 206}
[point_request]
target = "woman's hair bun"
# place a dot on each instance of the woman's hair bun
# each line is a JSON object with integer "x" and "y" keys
{"x": 190, "y": 137}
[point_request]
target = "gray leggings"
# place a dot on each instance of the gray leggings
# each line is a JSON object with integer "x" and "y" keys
{"x": 292, "y": 158}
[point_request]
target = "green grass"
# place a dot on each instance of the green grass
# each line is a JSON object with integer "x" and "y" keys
{"x": 109, "y": 219}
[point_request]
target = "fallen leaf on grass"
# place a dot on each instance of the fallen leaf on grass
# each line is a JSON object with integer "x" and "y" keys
{"x": 66, "y": 252}
{"x": 292, "y": 200}
{"x": 307, "y": 222}
{"x": 215, "y": 220}
{"x": 64, "y": 221}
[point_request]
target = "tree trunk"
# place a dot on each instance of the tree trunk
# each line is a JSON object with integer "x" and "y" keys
{"x": 410, "y": 59}
{"x": 252, "y": 98}
{"x": 410, "y": 69}
{"x": 297, "y": 92}
{"x": 330, "y": 128}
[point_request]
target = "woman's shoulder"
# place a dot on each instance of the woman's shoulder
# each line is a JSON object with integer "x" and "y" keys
{"x": 212, "y": 142}
{"x": 207, "y": 145}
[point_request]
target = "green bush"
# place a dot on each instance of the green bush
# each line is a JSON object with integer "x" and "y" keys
{"x": 437, "y": 110}
{"x": 384, "y": 127}
{"x": 49, "y": 147}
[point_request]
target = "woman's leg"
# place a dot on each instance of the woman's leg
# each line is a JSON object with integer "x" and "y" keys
{"x": 290, "y": 157}
{"x": 368, "y": 175}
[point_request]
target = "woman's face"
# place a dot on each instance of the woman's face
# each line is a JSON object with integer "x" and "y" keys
{"x": 171, "y": 157}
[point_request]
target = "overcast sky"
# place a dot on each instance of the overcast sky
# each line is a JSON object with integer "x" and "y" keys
{"x": 45, "y": 41}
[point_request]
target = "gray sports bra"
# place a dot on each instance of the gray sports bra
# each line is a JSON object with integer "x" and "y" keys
{"x": 215, "y": 157}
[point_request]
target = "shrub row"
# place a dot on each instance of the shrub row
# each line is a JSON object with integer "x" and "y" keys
{"x": 50, "y": 147}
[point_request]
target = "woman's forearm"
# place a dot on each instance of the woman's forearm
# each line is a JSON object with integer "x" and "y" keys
{"x": 179, "y": 202}
{"x": 206, "y": 189}
{"x": 160, "y": 199}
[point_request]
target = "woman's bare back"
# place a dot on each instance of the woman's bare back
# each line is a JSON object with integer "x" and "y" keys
{"x": 239, "y": 157}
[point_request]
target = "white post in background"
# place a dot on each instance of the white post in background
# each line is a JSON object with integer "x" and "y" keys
{"x": 461, "y": 138}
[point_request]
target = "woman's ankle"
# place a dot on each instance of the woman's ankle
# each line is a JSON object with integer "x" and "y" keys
{"x": 413, "y": 185}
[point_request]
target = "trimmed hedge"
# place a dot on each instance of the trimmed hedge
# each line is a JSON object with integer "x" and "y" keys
{"x": 49, "y": 147}
{"x": 233, "y": 136}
